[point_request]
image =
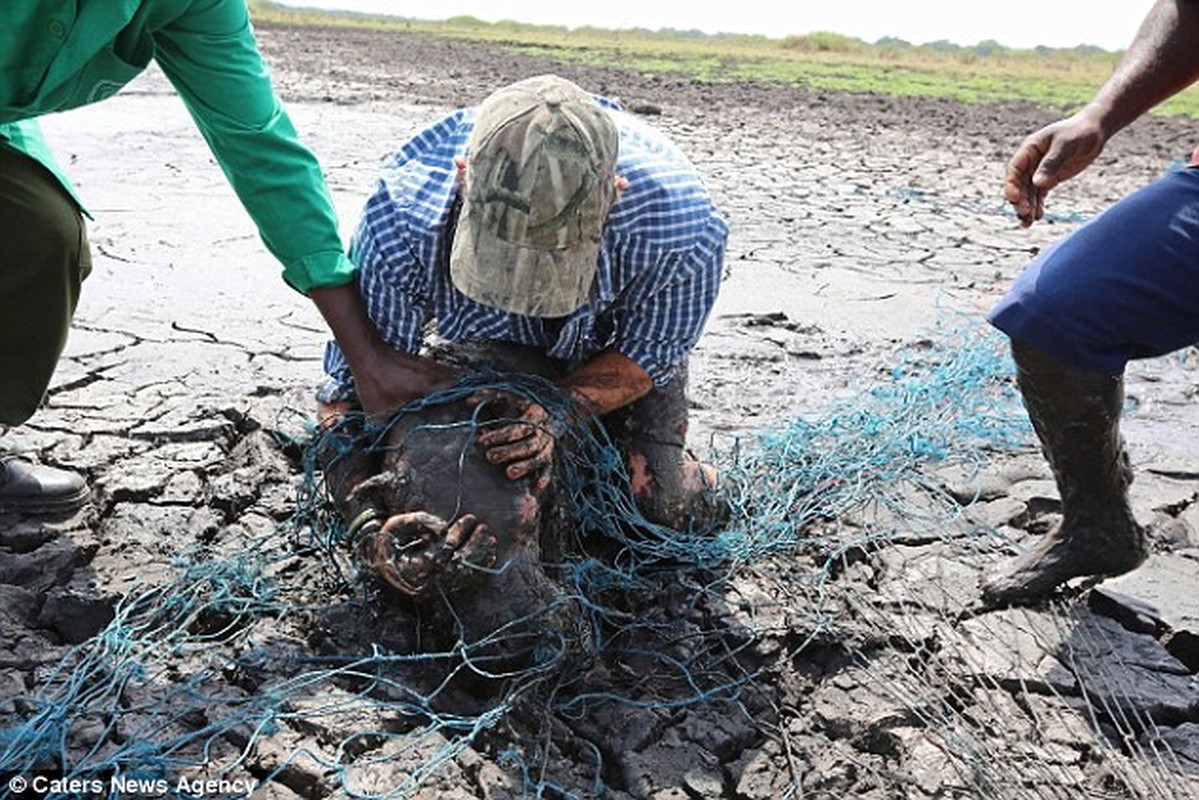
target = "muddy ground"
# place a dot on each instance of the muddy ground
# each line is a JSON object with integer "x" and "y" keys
{"x": 863, "y": 228}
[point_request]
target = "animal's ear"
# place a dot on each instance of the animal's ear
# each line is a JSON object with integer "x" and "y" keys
{"x": 382, "y": 493}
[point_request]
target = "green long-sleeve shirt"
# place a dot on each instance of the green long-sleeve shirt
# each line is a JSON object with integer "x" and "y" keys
{"x": 61, "y": 54}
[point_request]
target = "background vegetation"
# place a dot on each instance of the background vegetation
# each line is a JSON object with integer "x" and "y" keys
{"x": 988, "y": 71}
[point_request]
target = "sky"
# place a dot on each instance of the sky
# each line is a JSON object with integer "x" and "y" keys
{"x": 1109, "y": 24}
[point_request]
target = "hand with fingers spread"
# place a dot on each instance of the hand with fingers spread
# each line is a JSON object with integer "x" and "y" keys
{"x": 524, "y": 443}
{"x": 1053, "y": 154}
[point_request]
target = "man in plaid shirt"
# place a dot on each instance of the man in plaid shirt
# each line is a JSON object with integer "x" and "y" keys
{"x": 550, "y": 230}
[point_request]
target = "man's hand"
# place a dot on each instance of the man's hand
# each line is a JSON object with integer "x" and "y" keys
{"x": 1161, "y": 61}
{"x": 1053, "y": 154}
{"x": 524, "y": 445}
{"x": 391, "y": 379}
{"x": 385, "y": 379}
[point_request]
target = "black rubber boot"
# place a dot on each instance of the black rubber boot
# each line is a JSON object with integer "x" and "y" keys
{"x": 1076, "y": 415}
{"x": 28, "y": 488}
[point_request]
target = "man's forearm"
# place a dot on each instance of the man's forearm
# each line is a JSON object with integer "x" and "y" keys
{"x": 345, "y": 314}
{"x": 608, "y": 381}
{"x": 1162, "y": 60}
{"x": 385, "y": 378}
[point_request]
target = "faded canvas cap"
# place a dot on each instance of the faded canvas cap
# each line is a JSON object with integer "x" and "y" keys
{"x": 539, "y": 184}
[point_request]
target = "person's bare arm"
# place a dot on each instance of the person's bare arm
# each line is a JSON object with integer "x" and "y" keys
{"x": 610, "y": 380}
{"x": 384, "y": 378}
{"x": 1162, "y": 60}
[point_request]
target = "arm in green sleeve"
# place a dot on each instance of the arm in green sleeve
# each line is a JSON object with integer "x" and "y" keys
{"x": 211, "y": 57}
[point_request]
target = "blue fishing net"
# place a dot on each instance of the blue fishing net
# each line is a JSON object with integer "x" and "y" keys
{"x": 252, "y": 666}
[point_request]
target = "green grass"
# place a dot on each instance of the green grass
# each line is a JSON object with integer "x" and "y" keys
{"x": 987, "y": 72}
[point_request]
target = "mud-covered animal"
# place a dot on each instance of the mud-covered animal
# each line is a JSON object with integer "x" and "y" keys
{"x": 429, "y": 515}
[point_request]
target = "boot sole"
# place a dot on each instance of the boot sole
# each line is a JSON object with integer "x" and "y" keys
{"x": 43, "y": 507}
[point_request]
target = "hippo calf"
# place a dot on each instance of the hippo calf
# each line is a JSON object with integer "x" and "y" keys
{"x": 430, "y": 516}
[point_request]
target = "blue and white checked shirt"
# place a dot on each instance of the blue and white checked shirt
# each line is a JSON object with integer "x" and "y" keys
{"x": 660, "y": 262}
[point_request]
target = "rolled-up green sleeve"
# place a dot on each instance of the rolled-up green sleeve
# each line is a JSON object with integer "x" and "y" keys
{"x": 211, "y": 57}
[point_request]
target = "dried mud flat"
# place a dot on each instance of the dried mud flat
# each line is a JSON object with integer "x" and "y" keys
{"x": 863, "y": 228}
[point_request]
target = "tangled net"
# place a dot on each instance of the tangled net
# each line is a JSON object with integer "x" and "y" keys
{"x": 280, "y": 664}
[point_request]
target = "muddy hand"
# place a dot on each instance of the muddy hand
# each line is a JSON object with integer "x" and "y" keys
{"x": 414, "y": 549}
{"x": 523, "y": 446}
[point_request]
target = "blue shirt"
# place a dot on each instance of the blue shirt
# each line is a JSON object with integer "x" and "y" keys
{"x": 660, "y": 261}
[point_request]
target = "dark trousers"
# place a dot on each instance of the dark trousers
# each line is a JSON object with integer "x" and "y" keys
{"x": 44, "y": 257}
{"x": 1125, "y": 285}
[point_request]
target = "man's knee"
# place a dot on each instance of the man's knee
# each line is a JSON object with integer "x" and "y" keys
{"x": 40, "y": 224}
{"x": 17, "y": 407}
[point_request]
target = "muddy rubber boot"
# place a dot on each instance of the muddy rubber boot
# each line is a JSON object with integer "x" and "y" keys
{"x": 33, "y": 489}
{"x": 1076, "y": 415}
